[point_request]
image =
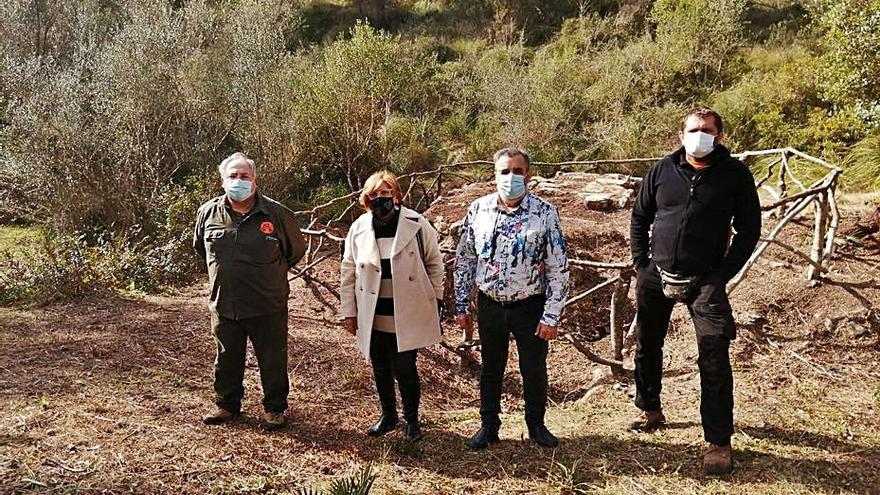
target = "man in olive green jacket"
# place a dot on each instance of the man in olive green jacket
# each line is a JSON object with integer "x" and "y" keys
{"x": 249, "y": 242}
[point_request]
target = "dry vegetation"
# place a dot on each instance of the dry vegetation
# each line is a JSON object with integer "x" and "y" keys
{"x": 105, "y": 396}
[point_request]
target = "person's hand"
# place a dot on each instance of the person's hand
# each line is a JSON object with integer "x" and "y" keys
{"x": 351, "y": 325}
{"x": 466, "y": 322}
{"x": 547, "y": 332}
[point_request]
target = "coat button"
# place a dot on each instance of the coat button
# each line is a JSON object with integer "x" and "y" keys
{"x": 412, "y": 253}
{"x": 410, "y": 278}
{"x": 362, "y": 265}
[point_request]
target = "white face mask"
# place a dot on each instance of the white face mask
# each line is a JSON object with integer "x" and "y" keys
{"x": 698, "y": 144}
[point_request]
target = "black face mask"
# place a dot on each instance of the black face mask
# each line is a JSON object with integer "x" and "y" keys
{"x": 382, "y": 206}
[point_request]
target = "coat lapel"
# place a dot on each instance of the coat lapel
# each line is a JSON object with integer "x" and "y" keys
{"x": 407, "y": 228}
{"x": 367, "y": 243}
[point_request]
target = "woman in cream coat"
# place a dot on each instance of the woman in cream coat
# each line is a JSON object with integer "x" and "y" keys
{"x": 391, "y": 291}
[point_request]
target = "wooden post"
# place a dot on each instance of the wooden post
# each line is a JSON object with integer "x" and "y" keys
{"x": 782, "y": 186}
{"x": 834, "y": 221}
{"x": 820, "y": 229}
{"x": 439, "y": 183}
{"x": 618, "y": 295}
{"x": 309, "y": 253}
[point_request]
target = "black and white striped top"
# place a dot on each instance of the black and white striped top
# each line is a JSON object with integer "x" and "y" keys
{"x": 383, "y": 320}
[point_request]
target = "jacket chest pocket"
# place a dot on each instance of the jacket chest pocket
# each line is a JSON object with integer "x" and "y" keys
{"x": 218, "y": 240}
{"x": 262, "y": 249}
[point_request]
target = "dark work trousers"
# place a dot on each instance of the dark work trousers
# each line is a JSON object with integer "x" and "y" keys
{"x": 497, "y": 322}
{"x": 268, "y": 335}
{"x": 389, "y": 364}
{"x": 713, "y": 320}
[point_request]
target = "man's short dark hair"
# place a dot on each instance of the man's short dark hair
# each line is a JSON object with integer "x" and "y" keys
{"x": 704, "y": 112}
{"x": 512, "y": 152}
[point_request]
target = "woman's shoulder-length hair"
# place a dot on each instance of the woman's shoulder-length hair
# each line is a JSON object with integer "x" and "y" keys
{"x": 374, "y": 182}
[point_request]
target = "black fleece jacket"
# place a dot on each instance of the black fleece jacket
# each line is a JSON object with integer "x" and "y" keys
{"x": 691, "y": 212}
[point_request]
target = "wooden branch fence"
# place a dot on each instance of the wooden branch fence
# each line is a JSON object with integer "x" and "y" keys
{"x": 777, "y": 180}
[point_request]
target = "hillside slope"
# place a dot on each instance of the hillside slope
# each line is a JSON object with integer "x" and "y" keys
{"x": 106, "y": 395}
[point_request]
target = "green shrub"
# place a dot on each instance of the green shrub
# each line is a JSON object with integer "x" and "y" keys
{"x": 778, "y": 103}
{"x": 58, "y": 269}
{"x": 67, "y": 266}
{"x": 109, "y": 128}
{"x": 347, "y": 96}
{"x": 862, "y": 166}
{"x": 702, "y": 34}
{"x": 850, "y": 70}
{"x": 522, "y": 98}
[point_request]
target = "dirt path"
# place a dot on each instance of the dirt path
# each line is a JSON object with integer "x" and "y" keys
{"x": 105, "y": 396}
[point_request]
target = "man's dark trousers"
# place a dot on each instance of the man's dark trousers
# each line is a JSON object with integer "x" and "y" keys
{"x": 497, "y": 322}
{"x": 713, "y": 320}
{"x": 268, "y": 335}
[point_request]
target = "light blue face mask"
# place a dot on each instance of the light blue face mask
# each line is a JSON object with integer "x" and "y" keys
{"x": 238, "y": 189}
{"x": 510, "y": 186}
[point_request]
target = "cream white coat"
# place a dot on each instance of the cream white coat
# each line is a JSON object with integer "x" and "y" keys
{"x": 417, "y": 284}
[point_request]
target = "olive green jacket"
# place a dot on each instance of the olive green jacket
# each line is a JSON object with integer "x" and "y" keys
{"x": 248, "y": 259}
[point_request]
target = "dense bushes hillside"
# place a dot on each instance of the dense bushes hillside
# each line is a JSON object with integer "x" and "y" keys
{"x": 115, "y": 112}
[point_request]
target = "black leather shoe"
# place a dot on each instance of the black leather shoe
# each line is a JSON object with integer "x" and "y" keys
{"x": 542, "y": 436}
{"x": 383, "y": 426}
{"x": 483, "y": 438}
{"x": 414, "y": 431}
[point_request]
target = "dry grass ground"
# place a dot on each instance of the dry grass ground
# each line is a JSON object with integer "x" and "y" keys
{"x": 105, "y": 396}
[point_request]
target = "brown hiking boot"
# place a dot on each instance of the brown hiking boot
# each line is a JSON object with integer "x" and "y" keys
{"x": 648, "y": 421}
{"x": 219, "y": 416}
{"x": 274, "y": 420}
{"x": 718, "y": 460}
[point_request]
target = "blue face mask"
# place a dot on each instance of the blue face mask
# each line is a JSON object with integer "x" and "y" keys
{"x": 510, "y": 186}
{"x": 238, "y": 189}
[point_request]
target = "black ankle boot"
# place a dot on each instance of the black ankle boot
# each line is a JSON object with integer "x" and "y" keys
{"x": 483, "y": 437}
{"x": 414, "y": 431}
{"x": 542, "y": 436}
{"x": 385, "y": 424}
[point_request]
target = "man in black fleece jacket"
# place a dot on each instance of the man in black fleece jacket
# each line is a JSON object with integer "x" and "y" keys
{"x": 692, "y": 198}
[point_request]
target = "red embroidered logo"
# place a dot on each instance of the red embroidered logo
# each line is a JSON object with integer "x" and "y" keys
{"x": 267, "y": 228}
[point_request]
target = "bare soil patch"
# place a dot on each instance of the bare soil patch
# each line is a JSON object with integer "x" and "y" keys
{"x": 105, "y": 396}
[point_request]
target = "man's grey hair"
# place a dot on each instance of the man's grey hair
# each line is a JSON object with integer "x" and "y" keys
{"x": 512, "y": 152}
{"x": 234, "y": 158}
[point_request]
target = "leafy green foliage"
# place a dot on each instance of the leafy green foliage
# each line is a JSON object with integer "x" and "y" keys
{"x": 112, "y": 125}
{"x": 348, "y": 95}
{"x": 702, "y": 34}
{"x": 113, "y": 115}
{"x": 72, "y": 266}
{"x": 851, "y": 65}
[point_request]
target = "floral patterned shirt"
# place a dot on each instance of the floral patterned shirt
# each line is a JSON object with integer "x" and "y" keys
{"x": 511, "y": 255}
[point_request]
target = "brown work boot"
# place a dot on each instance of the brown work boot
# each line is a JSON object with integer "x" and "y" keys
{"x": 717, "y": 460}
{"x": 219, "y": 416}
{"x": 274, "y": 420}
{"x": 648, "y": 421}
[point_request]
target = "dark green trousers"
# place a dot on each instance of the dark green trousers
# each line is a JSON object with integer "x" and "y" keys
{"x": 268, "y": 336}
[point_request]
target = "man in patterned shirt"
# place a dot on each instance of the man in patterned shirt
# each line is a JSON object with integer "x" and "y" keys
{"x": 512, "y": 250}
